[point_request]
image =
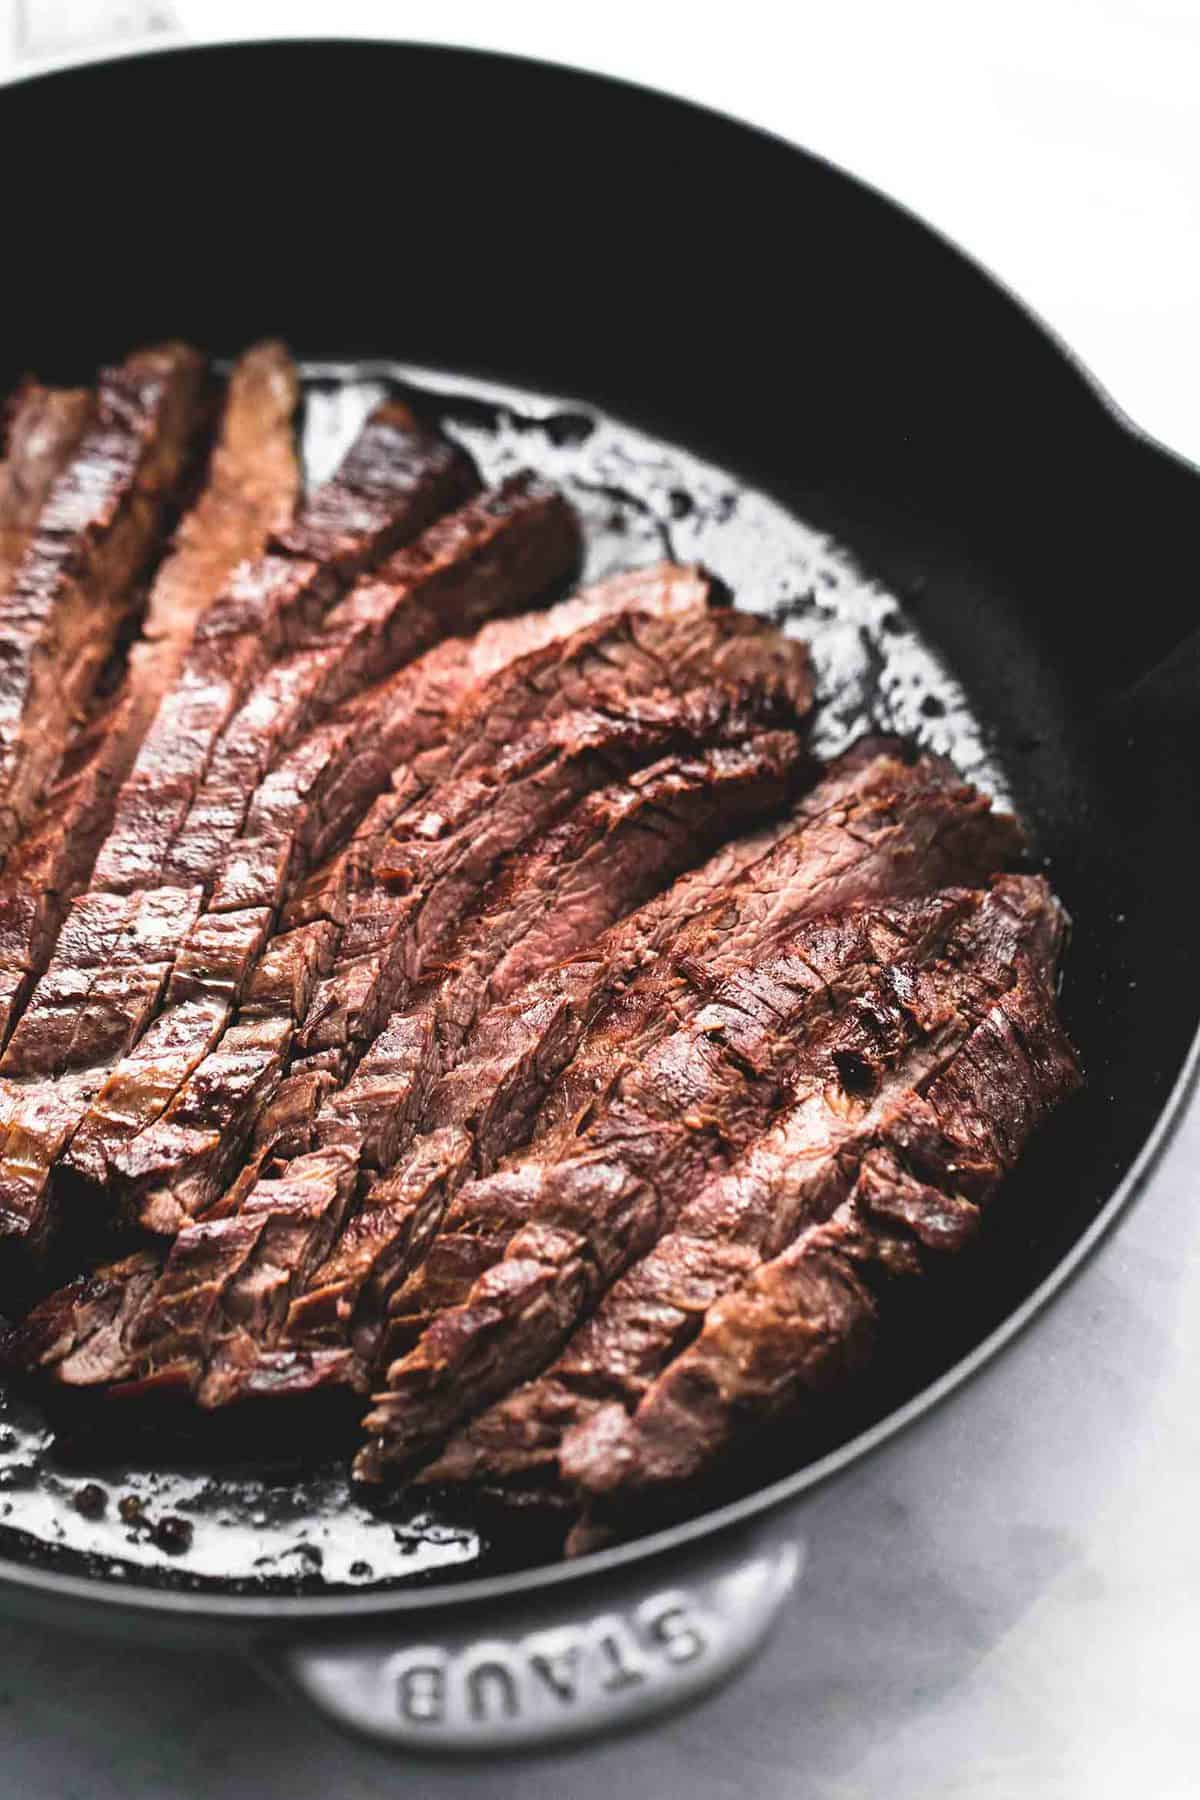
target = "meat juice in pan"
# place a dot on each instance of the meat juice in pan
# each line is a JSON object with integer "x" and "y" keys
{"x": 283, "y": 1525}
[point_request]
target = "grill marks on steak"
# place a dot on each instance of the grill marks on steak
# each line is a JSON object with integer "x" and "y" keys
{"x": 409, "y": 713}
{"x": 114, "y": 955}
{"x": 269, "y": 606}
{"x": 75, "y": 583}
{"x": 551, "y": 1230}
{"x": 495, "y": 552}
{"x": 249, "y": 492}
{"x": 358, "y": 1118}
{"x": 659, "y": 817}
{"x": 616, "y": 845}
{"x": 854, "y": 841}
{"x": 524, "y": 1048}
{"x": 483, "y": 1104}
{"x": 43, "y": 429}
{"x": 357, "y": 928}
{"x": 530, "y": 742}
{"x": 901, "y": 1010}
{"x": 498, "y": 551}
{"x": 393, "y": 480}
{"x": 806, "y": 1317}
{"x": 902, "y": 830}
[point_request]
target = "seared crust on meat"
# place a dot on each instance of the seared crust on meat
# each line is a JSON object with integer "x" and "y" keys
{"x": 473, "y": 1005}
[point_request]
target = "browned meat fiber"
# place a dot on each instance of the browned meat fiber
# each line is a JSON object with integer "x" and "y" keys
{"x": 75, "y": 581}
{"x": 497, "y": 551}
{"x": 578, "y": 1209}
{"x": 447, "y": 988}
{"x": 855, "y": 1064}
{"x": 486, "y": 1097}
{"x": 665, "y": 813}
{"x": 806, "y": 1319}
{"x": 238, "y": 700}
{"x": 466, "y": 816}
{"x": 250, "y": 491}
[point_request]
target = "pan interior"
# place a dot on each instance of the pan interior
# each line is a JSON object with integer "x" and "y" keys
{"x": 194, "y": 1514}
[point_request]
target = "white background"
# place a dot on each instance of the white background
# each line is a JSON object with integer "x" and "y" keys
{"x": 1004, "y": 1607}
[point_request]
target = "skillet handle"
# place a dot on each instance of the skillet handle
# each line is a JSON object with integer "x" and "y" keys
{"x": 559, "y": 1665}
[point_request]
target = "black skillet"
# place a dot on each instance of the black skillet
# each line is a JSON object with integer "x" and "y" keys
{"x": 723, "y": 292}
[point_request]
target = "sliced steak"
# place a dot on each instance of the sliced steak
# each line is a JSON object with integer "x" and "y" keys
{"x": 249, "y": 492}
{"x": 225, "y": 1281}
{"x": 920, "y": 835}
{"x": 713, "y": 792}
{"x": 552, "y": 1229}
{"x": 903, "y": 1025}
{"x": 408, "y": 713}
{"x": 481, "y": 817}
{"x": 498, "y": 551}
{"x": 804, "y": 1320}
{"x": 171, "y": 1174}
{"x": 62, "y": 607}
{"x": 413, "y": 709}
{"x": 394, "y": 480}
{"x": 108, "y": 972}
{"x": 207, "y": 979}
{"x": 85, "y": 1319}
{"x": 44, "y": 426}
{"x": 855, "y": 841}
{"x": 614, "y": 847}
{"x": 520, "y": 1046}
{"x": 530, "y": 741}
{"x": 523, "y": 1049}
{"x": 393, "y": 1229}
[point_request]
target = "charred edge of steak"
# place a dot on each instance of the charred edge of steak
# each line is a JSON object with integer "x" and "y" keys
{"x": 897, "y": 1013}
{"x": 43, "y": 429}
{"x": 806, "y": 1320}
{"x": 578, "y": 1216}
{"x": 395, "y": 480}
{"x": 249, "y": 491}
{"x": 498, "y": 551}
{"x": 77, "y": 579}
{"x": 853, "y": 850}
{"x": 494, "y": 553}
{"x": 635, "y": 834}
{"x": 267, "y": 608}
{"x": 244, "y": 626}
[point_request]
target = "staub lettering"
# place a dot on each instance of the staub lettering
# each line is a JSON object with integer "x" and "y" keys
{"x": 559, "y": 1670}
{"x": 492, "y": 1688}
{"x": 553, "y": 1680}
{"x": 553, "y": 1672}
{"x": 422, "y": 1693}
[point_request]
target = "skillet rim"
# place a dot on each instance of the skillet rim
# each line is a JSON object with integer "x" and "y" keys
{"x": 125, "y": 1600}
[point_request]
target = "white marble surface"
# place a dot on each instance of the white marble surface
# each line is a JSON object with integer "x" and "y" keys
{"x": 1005, "y": 1604}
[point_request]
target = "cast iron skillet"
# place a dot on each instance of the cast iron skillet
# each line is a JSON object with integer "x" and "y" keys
{"x": 715, "y": 287}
